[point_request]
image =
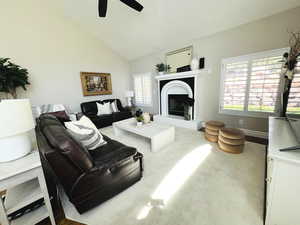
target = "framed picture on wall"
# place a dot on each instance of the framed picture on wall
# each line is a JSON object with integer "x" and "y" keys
{"x": 96, "y": 83}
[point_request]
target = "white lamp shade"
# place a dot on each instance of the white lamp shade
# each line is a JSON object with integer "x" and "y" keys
{"x": 129, "y": 94}
{"x": 15, "y": 117}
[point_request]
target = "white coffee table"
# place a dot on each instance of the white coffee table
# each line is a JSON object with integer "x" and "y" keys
{"x": 160, "y": 135}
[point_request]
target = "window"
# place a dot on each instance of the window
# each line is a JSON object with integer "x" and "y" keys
{"x": 250, "y": 84}
{"x": 143, "y": 89}
{"x": 235, "y": 83}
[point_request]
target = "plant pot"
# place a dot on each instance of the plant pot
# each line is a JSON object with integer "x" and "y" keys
{"x": 161, "y": 73}
{"x": 139, "y": 124}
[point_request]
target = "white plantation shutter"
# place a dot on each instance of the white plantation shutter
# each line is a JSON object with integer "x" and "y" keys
{"x": 147, "y": 89}
{"x": 143, "y": 89}
{"x": 138, "y": 89}
{"x": 294, "y": 97}
{"x": 264, "y": 83}
{"x": 235, "y": 81}
{"x": 250, "y": 84}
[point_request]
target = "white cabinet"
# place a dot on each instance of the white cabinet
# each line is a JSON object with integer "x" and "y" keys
{"x": 283, "y": 176}
{"x": 269, "y": 178}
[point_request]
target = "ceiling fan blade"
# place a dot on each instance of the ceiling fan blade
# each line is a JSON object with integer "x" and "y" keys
{"x": 133, "y": 4}
{"x": 102, "y": 7}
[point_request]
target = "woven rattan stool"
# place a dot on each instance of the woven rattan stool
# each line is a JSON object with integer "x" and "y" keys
{"x": 231, "y": 140}
{"x": 212, "y": 130}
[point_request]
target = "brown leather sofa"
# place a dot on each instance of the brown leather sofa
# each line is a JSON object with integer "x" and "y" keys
{"x": 88, "y": 178}
{"x": 90, "y": 110}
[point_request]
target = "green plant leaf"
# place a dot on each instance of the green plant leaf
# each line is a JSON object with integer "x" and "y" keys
{"x": 12, "y": 76}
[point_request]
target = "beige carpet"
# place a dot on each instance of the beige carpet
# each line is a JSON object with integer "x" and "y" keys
{"x": 190, "y": 182}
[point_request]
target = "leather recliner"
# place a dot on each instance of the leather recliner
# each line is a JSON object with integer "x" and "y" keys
{"x": 90, "y": 110}
{"x": 88, "y": 177}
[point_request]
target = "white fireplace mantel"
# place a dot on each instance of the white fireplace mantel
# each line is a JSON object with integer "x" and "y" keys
{"x": 183, "y": 74}
{"x": 163, "y": 117}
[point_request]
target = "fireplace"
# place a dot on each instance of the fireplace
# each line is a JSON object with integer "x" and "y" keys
{"x": 171, "y": 88}
{"x": 176, "y": 96}
{"x": 176, "y": 104}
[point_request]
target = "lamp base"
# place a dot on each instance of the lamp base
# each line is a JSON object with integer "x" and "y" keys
{"x": 14, "y": 147}
{"x": 129, "y": 101}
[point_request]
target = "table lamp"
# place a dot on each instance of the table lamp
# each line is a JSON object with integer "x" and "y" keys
{"x": 16, "y": 121}
{"x": 129, "y": 95}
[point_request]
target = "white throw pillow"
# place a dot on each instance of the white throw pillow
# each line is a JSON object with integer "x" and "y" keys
{"x": 103, "y": 108}
{"x": 114, "y": 106}
{"x": 86, "y": 133}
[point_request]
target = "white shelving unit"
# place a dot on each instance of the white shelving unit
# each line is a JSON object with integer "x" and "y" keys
{"x": 24, "y": 183}
{"x": 22, "y": 195}
{"x": 32, "y": 218}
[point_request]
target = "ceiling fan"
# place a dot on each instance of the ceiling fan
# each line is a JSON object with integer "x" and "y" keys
{"x": 102, "y": 6}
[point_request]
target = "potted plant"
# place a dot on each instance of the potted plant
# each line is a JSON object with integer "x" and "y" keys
{"x": 160, "y": 68}
{"x": 290, "y": 60}
{"x": 12, "y": 76}
{"x": 139, "y": 117}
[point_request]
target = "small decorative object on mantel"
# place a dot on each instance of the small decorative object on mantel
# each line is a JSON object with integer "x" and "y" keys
{"x": 183, "y": 69}
{"x": 195, "y": 63}
{"x": 290, "y": 60}
{"x": 96, "y": 83}
{"x": 12, "y": 77}
{"x": 201, "y": 63}
{"x": 139, "y": 117}
{"x": 162, "y": 68}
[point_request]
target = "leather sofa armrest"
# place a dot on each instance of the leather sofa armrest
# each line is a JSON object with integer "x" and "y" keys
{"x": 100, "y": 176}
{"x": 126, "y": 108}
{"x": 90, "y": 115}
{"x": 86, "y": 181}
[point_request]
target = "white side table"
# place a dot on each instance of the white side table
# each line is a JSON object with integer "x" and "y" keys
{"x": 24, "y": 182}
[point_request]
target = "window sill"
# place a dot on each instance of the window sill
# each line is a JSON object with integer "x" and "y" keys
{"x": 247, "y": 114}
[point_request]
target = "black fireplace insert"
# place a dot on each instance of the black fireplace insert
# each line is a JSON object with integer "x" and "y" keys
{"x": 176, "y": 104}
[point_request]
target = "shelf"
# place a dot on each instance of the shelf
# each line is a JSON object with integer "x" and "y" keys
{"x": 32, "y": 218}
{"x": 183, "y": 74}
{"x": 22, "y": 195}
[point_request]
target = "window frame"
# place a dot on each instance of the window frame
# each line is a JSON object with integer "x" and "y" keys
{"x": 249, "y": 58}
{"x": 149, "y": 74}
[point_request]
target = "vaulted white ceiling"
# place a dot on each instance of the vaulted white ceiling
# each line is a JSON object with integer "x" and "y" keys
{"x": 164, "y": 24}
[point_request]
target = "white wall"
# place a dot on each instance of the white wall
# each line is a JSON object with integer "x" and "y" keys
{"x": 35, "y": 35}
{"x": 265, "y": 34}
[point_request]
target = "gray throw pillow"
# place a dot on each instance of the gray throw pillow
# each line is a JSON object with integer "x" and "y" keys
{"x": 88, "y": 137}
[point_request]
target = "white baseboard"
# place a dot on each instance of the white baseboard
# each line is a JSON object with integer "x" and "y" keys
{"x": 252, "y": 133}
{"x": 255, "y": 133}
